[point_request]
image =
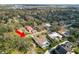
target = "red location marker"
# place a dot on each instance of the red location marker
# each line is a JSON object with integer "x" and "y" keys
{"x": 20, "y": 33}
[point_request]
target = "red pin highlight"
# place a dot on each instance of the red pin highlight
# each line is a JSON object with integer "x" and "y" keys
{"x": 20, "y": 33}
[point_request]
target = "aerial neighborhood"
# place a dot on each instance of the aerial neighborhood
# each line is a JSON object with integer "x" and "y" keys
{"x": 39, "y": 29}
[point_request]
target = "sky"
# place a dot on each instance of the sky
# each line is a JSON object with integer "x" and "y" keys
{"x": 39, "y": 1}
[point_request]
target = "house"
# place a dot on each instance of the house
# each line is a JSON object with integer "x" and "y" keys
{"x": 55, "y": 35}
{"x": 64, "y": 32}
{"x": 42, "y": 41}
{"x": 67, "y": 46}
{"x": 63, "y": 48}
{"x": 29, "y": 28}
{"x": 47, "y": 26}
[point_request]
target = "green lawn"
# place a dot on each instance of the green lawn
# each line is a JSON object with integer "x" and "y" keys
{"x": 76, "y": 50}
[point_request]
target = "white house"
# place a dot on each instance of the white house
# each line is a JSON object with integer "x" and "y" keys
{"x": 55, "y": 35}
{"x": 47, "y": 24}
